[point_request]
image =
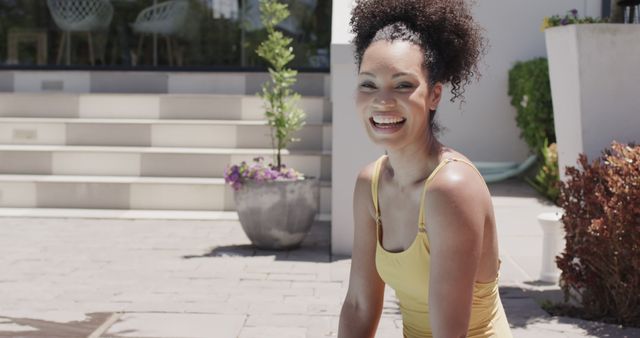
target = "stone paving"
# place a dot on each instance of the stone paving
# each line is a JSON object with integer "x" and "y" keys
{"x": 108, "y": 278}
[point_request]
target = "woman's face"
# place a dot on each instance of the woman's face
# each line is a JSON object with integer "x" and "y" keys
{"x": 393, "y": 95}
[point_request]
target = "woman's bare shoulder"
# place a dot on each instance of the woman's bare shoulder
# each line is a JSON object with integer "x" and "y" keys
{"x": 362, "y": 191}
{"x": 456, "y": 177}
{"x": 366, "y": 172}
{"x": 452, "y": 153}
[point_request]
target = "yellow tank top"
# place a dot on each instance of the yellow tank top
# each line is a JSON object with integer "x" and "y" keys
{"x": 407, "y": 272}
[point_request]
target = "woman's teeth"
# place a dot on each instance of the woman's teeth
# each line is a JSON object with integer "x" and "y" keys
{"x": 386, "y": 120}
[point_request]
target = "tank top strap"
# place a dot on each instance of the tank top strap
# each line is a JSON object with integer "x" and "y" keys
{"x": 421, "y": 224}
{"x": 374, "y": 188}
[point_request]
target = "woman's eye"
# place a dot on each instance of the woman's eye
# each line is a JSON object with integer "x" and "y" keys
{"x": 367, "y": 85}
{"x": 405, "y": 85}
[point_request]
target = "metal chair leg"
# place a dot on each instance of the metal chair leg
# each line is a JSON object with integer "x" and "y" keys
{"x": 68, "y": 48}
{"x": 169, "y": 51}
{"x": 140, "y": 47}
{"x": 61, "y": 47}
{"x": 91, "y": 56}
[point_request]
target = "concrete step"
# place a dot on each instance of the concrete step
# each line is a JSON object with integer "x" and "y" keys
{"x": 148, "y": 161}
{"x": 155, "y": 133}
{"x": 150, "y": 106}
{"x": 128, "y": 214}
{"x": 124, "y": 193}
{"x": 192, "y": 82}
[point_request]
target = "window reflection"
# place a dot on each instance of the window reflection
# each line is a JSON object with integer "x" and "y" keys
{"x": 154, "y": 33}
{"x": 79, "y": 16}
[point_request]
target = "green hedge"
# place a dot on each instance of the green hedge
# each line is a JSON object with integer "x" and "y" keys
{"x": 530, "y": 93}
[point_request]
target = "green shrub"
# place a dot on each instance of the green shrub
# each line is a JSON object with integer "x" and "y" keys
{"x": 601, "y": 260}
{"x": 547, "y": 180}
{"x": 530, "y": 93}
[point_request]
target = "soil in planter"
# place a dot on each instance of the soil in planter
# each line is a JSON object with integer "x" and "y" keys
{"x": 568, "y": 310}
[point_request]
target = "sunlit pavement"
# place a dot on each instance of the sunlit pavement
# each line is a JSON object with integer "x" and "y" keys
{"x": 184, "y": 279}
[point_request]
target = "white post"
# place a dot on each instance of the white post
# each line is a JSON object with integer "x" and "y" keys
{"x": 553, "y": 243}
{"x": 351, "y": 148}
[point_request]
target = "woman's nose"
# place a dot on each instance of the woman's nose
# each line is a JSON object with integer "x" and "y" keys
{"x": 384, "y": 101}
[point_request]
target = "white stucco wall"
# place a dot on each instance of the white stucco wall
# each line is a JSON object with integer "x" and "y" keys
{"x": 594, "y": 81}
{"x": 484, "y": 128}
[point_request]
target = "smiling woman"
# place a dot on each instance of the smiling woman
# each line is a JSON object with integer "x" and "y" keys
{"x": 424, "y": 220}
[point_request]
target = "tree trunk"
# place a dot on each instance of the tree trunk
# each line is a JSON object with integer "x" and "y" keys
{"x": 278, "y": 160}
{"x": 617, "y": 12}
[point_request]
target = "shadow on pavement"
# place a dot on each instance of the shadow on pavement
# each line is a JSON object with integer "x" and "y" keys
{"x": 304, "y": 254}
{"x": 524, "y": 310}
{"x": 37, "y": 328}
{"x": 316, "y": 247}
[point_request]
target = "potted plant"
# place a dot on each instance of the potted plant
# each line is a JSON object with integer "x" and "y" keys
{"x": 531, "y": 96}
{"x": 276, "y": 205}
{"x": 570, "y": 18}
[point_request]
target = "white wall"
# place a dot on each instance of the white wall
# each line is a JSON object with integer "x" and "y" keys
{"x": 594, "y": 81}
{"x": 351, "y": 148}
{"x": 484, "y": 128}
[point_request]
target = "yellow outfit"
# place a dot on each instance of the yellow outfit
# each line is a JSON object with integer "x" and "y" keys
{"x": 407, "y": 272}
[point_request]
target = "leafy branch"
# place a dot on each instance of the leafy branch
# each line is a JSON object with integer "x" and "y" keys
{"x": 281, "y": 101}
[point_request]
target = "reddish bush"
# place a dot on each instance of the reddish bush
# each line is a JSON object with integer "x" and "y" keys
{"x": 601, "y": 261}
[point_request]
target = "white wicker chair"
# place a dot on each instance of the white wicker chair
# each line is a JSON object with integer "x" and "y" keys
{"x": 80, "y": 16}
{"x": 166, "y": 18}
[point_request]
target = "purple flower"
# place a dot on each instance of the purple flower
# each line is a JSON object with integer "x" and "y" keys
{"x": 574, "y": 12}
{"x": 236, "y": 175}
{"x": 564, "y": 21}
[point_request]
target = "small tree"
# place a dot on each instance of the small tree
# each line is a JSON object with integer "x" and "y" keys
{"x": 281, "y": 109}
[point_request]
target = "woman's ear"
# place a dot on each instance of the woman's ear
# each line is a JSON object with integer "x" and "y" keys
{"x": 435, "y": 94}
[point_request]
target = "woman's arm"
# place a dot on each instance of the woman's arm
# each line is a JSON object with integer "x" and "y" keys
{"x": 455, "y": 213}
{"x": 363, "y": 304}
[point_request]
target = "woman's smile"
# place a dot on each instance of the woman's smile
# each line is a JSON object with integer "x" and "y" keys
{"x": 387, "y": 124}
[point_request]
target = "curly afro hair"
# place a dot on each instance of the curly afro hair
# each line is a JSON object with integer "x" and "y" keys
{"x": 444, "y": 29}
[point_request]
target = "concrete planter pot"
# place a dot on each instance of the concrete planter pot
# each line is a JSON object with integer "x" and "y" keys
{"x": 553, "y": 242}
{"x": 277, "y": 215}
{"x": 594, "y": 73}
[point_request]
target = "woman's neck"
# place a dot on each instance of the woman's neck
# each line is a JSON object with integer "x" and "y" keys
{"x": 412, "y": 165}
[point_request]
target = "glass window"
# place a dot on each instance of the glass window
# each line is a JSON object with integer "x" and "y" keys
{"x": 144, "y": 34}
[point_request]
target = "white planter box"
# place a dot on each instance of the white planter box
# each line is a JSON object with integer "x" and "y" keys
{"x": 595, "y": 84}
